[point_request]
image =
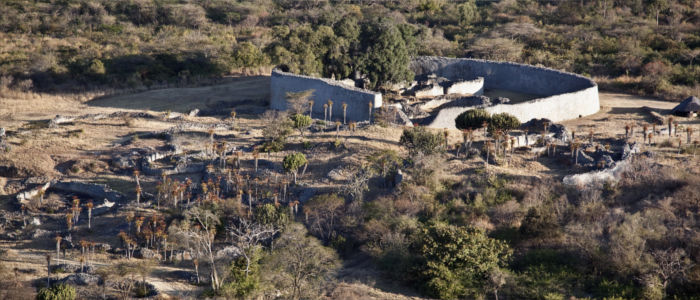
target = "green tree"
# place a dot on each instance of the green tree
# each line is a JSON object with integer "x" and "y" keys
{"x": 420, "y": 140}
{"x": 240, "y": 285}
{"x": 57, "y": 292}
{"x": 246, "y": 54}
{"x": 472, "y": 119}
{"x": 458, "y": 260}
{"x": 301, "y": 122}
{"x": 504, "y": 122}
{"x": 293, "y": 162}
{"x": 468, "y": 13}
{"x": 539, "y": 222}
{"x": 386, "y": 56}
{"x": 268, "y": 214}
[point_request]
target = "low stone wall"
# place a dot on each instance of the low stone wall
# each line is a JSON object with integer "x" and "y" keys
{"x": 324, "y": 89}
{"x": 472, "y": 87}
{"x": 565, "y": 95}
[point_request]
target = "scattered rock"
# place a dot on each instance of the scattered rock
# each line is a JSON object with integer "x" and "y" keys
{"x": 337, "y": 174}
{"x": 146, "y": 254}
{"x": 40, "y": 233}
{"x": 584, "y": 159}
{"x": 228, "y": 252}
{"x": 628, "y": 151}
{"x": 605, "y": 161}
{"x": 81, "y": 279}
{"x": 193, "y": 113}
{"x": 35, "y": 221}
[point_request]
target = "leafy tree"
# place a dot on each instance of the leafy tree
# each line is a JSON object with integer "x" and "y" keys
{"x": 268, "y": 214}
{"x": 539, "y": 222}
{"x": 57, "y": 292}
{"x": 293, "y": 162}
{"x": 458, "y": 260}
{"x": 420, "y": 140}
{"x": 386, "y": 57}
{"x": 242, "y": 284}
{"x": 301, "y": 122}
{"x": 472, "y": 119}
{"x": 246, "y": 54}
{"x": 504, "y": 122}
{"x": 468, "y": 13}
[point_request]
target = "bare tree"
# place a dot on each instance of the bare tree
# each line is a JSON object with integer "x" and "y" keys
{"x": 672, "y": 264}
{"x": 297, "y": 102}
{"x": 303, "y": 264}
{"x": 247, "y": 236}
{"x": 202, "y": 233}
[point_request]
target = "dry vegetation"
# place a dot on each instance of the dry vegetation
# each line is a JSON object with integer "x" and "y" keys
{"x": 538, "y": 224}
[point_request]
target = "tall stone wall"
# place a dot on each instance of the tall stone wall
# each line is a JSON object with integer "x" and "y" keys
{"x": 324, "y": 89}
{"x": 564, "y": 96}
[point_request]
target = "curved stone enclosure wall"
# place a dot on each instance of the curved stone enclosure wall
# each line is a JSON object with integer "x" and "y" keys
{"x": 324, "y": 89}
{"x": 565, "y": 95}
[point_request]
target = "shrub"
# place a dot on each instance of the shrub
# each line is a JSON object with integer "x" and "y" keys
{"x": 504, "y": 122}
{"x": 420, "y": 140}
{"x": 539, "y": 222}
{"x": 57, "y": 292}
{"x": 472, "y": 119}
{"x": 301, "y": 122}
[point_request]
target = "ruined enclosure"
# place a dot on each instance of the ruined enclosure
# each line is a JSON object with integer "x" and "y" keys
{"x": 450, "y": 86}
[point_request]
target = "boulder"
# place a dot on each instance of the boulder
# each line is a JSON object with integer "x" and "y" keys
{"x": 629, "y": 149}
{"x": 146, "y": 253}
{"x": 193, "y": 113}
{"x": 228, "y": 252}
{"x": 605, "y": 161}
{"x": 40, "y": 233}
{"x": 584, "y": 159}
{"x": 35, "y": 221}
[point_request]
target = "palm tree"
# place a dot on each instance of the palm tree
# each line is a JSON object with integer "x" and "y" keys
{"x": 487, "y": 146}
{"x": 446, "y": 134}
{"x": 370, "y": 112}
{"x": 337, "y": 129}
{"x": 645, "y": 129}
{"x": 330, "y": 109}
{"x": 89, "y": 207}
{"x": 649, "y": 137}
{"x": 345, "y": 112}
{"x": 256, "y": 155}
{"x": 689, "y": 134}
{"x": 353, "y": 125}
{"x": 325, "y": 112}
{"x": 311, "y": 108}
{"x": 58, "y": 239}
{"x": 627, "y": 130}
{"x": 69, "y": 221}
{"x": 670, "y": 124}
{"x": 48, "y": 270}
{"x": 575, "y": 147}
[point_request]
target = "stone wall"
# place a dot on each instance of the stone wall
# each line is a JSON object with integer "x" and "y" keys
{"x": 564, "y": 96}
{"x": 472, "y": 87}
{"x": 324, "y": 89}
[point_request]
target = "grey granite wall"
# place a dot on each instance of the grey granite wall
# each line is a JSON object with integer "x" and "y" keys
{"x": 324, "y": 89}
{"x": 564, "y": 96}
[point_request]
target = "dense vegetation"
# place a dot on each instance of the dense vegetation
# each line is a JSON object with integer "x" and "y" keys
{"x": 640, "y": 46}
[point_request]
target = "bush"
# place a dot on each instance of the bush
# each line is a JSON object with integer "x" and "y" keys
{"x": 472, "y": 119}
{"x": 539, "y": 222}
{"x": 57, "y": 292}
{"x": 420, "y": 140}
{"x": 503, "y": 122}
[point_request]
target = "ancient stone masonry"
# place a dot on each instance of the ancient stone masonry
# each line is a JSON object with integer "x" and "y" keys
{"x": 562, "y": 95}
{"x": 450, "y": 86}
{"x": 357, "y": 99}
